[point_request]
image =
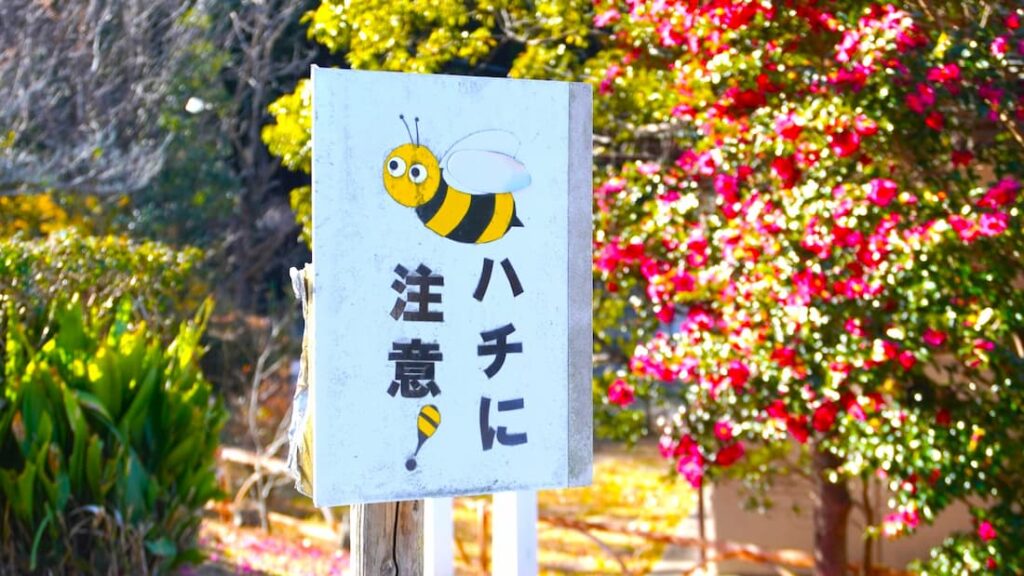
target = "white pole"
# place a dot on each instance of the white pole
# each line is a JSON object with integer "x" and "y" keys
{"x": 438, "y": 537}
{"x": 514, "y": 534}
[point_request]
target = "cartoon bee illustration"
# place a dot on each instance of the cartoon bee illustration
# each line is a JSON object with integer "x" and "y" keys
{"x": 469, "y": 200}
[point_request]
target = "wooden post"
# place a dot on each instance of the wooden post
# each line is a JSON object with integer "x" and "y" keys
{"x": 387, "y": 539}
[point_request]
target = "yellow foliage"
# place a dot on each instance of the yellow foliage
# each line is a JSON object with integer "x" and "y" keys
{"x": 34, "y": 215}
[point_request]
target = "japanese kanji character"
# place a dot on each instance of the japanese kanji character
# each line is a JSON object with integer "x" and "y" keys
{"x": 487, "y": 433}
{"x": 501, "y": 347}
{"x": 485, "y": 279}
{"x": 416, "y": 287}
{"x": 414, "y": 368}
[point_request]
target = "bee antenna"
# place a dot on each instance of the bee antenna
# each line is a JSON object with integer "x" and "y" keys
{"x": 407, "y": 131}
{"x": 417, "y": 120}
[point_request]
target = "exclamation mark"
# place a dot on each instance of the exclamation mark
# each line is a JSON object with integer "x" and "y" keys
{"x": 427, "y": 423}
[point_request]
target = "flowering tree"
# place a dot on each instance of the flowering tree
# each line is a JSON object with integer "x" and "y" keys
{"x": 827, "y": 243}
{"x": 807, "y": 235}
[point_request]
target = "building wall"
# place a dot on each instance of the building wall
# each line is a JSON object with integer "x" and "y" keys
{"x": 782, "y": 528}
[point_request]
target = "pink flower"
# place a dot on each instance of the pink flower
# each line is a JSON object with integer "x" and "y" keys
{"x": 922, "y": 99}
{"x": 882, "y": 191}
{"x": 691, "y": 466}
{"x": 620, "y": 393}
{"x": 723, "y": 430}
{"x": 605, "y": 18}
{"x": 697, "y": 252}
{"x": 993, "y": 224}
{"x": 933, "y": 338}
{"x": 787, "y": 127}
{"x": 984, "y": 345}
{"x": 667, "y": 446}
{"x": 854, "y": 328}
{"x": 727, "y": 186}
{"x": 945, "y": 74}
{"x": 856, "y": 411}
{"x": 605, "y": 87}
{"x": 999, "y": 46}
{"x": 986, "y": 531}
{"x": 965, "y": 228}
{"x": 865, "y": 126}
{"x": 730, "y": 454}
{"x": 613, "y": 185}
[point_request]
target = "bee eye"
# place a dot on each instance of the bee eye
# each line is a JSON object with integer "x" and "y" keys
{"x": 396, "y": 167}
{"x": 418, "y": 173}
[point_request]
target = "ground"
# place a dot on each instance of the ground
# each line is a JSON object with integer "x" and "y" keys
{"x": 632, "y": 488}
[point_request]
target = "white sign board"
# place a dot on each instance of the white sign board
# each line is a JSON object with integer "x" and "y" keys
{"x": 451, "y": 349}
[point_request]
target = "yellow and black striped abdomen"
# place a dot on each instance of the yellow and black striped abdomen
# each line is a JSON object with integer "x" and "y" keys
{"x": 469, "y": 218}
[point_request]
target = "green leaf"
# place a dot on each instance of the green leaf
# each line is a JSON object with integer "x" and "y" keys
{"x": 38, "y": 539}
{"x": 162, "y": 547}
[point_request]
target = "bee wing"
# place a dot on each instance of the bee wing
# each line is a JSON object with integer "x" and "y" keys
{"x": 484, "y": 172}
{"x": 485, "y": 162}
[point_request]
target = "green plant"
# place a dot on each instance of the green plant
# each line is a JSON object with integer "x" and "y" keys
{"x": 107, "y": 441}
{"x": 157, "y": 280}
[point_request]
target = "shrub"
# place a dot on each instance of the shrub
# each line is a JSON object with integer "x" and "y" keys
{"x": 107, "y": 441}
{"x": 154, "y": 278}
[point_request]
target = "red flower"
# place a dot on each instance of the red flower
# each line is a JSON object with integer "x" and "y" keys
{"x": 934, "y": 338}
{"x": 738, "y": 374}
{"x": 1002, "y": 193}
{"x": 797, "y": 426}
{"x": 825, "y": 416}
{"x": 784, "y": 168}
{"x": 907, "y": 359}
{"x": 935, "y": 121}
{"x": 943, "y": 418}
{"x": 730, "y": 454}
{"x": 784, "y": 356}
{"x": 620, "y": 393}
{"x": 961, "y": 157}
{"x": 776, "y": 410}
{"x": 666, "y": 313}
{"x": 844, "y": 143}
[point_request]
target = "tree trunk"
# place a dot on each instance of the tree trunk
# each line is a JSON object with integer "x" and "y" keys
{"x": 831, "y": 514}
